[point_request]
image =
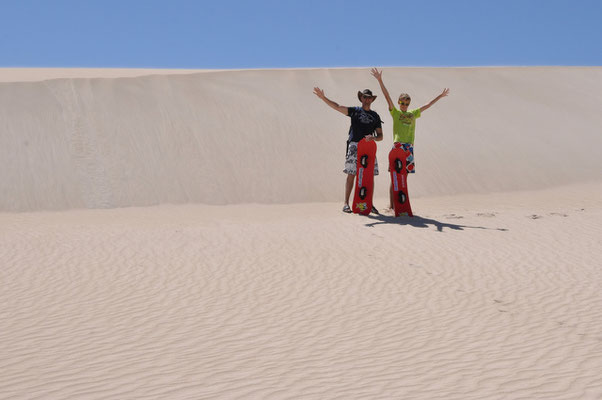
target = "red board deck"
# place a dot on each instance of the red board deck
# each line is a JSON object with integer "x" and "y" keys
{"x": 399, "y": 161}
{"x": 364, "y": 178}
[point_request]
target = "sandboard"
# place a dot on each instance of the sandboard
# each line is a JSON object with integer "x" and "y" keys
{"x": 364, "y": 178}
{"x": 399, "y": 162}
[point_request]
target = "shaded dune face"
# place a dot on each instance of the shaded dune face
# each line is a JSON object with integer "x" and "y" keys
{"x": 261, "y": 136}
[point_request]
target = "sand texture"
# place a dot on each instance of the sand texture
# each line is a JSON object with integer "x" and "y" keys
{"x": 179, "y": 236}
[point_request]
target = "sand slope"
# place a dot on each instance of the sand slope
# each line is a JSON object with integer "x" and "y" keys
{"x": 234, "y": 137}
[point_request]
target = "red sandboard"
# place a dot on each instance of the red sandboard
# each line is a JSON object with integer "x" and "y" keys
{"x": 398, "y": 164}
{"x": 364, "y": 178}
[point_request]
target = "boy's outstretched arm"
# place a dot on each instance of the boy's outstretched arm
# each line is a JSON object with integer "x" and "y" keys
{"x": 320, "y": 93}
{"x": 436, "y": 99}
{"x": 379, "y": 77}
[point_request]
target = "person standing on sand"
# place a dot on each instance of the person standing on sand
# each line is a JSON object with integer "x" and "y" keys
{"x": 364, "y": 124}
{"x": 404, "y": 121}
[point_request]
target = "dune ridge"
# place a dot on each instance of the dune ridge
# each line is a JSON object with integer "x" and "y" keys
{"x": 261, "y": 136}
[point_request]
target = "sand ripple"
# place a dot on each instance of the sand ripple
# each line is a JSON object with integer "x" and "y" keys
{"x": 289, "y": 302}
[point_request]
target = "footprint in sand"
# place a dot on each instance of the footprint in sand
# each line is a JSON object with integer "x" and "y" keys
{"x": 535, "y": 216}
{"x": 453, "y": 216}
{"x": 497, "y": 301}
{"x": 559, "y": 214}
{"x": 487, "y": 215}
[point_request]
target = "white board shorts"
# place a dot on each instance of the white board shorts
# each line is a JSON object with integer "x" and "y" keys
{"x": 351, "y": 160}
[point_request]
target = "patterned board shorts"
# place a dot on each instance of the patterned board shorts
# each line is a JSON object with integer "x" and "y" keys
{"x": 351, "y": 160}
{"x": 410, "y": 147}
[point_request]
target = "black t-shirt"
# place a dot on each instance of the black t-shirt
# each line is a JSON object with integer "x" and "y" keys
{"x": 362, "y": 123}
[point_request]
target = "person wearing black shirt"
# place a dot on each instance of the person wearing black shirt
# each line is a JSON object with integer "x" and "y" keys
{"x": 365, "y": 123}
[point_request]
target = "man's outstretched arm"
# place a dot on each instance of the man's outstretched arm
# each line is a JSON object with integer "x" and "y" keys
{"x": 320, "y": 93}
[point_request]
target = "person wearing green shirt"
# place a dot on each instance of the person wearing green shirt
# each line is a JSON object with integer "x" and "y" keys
{"x": 404, "y": 121}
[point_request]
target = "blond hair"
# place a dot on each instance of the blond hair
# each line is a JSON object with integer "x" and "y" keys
{"x": 404, "y": 96}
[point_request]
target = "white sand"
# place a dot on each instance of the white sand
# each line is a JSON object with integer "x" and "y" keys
{"x": 492, "y": 292}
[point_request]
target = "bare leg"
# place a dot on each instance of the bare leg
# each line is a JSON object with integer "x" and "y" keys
{"x": 348, "y": 187}
{"x": 391, "y": 196}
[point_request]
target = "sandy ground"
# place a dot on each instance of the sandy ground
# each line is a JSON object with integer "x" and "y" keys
{"x": 477, "y": 297}
{"x": 120, "y": 281}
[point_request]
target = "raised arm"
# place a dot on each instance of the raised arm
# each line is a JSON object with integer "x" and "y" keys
{"x": 436, "y": 99}
{"x": 320, "y": 93}
{"x": 379, "y": 77}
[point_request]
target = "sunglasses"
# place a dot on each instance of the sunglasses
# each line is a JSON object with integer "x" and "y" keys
{"x": 366, "y": 97}
{"x": 404, "y": 104}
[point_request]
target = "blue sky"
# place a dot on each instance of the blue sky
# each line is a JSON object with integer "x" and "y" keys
{"x": 297, "y": 34}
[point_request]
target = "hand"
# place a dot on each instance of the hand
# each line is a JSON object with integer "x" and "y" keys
{"x": 377, "y": 74}
{"x": 444, "y": 93}
{"x": 369, "y": 138}
{"x": 319, "y": 92}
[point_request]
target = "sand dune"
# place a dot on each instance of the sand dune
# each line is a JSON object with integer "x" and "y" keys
{"x": 235, "y": 137}
{"x": 492, "y": 291}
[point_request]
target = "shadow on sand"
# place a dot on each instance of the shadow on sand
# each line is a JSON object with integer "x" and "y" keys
{"x": 421, "y": 222}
